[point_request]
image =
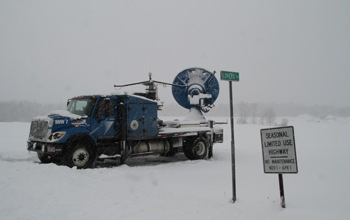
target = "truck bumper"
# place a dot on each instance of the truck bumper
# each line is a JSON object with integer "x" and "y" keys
{"x": 46, "y": 148}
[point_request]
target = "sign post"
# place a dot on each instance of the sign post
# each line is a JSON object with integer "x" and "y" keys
{"x": 232, "y": 76}
{"x": 279, "y": 155}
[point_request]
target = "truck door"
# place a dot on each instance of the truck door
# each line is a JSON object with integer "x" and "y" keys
{"x": 103, "y": 121}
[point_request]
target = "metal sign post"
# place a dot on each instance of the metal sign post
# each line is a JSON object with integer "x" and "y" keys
{"x": 280, "y": 181}
{"x": 279, "y": 155}
{"x": 232, "y": 76}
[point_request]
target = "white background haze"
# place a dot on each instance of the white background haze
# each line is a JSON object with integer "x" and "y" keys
{"x": 285, "y": 51}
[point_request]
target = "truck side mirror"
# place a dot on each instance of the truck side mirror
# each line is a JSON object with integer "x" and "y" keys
{"x": 68, "y": 101}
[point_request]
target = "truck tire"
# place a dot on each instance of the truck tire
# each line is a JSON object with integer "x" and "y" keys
{"x": 45, "y": 158}
{"x": 80, "y": 155}
{"x": 197, "y": 149}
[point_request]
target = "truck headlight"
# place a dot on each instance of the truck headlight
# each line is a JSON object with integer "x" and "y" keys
{"x": 56, "y": 136}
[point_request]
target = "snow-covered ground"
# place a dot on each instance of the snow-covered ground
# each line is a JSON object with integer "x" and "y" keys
{"x": 176, "y": 188}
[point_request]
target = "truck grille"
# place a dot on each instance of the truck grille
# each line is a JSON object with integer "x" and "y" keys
{"x": 38, "y": 129}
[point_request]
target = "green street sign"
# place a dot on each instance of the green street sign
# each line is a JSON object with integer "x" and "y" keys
{"x": 230, "y": 76}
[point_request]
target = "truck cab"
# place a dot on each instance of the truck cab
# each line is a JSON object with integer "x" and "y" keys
{"x": 93, "y": 121}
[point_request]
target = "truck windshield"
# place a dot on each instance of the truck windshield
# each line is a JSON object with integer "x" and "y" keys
{"x": 81, "y": 107}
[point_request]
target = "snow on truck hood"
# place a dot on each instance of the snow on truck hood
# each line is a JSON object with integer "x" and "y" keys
{"x": 65, "y": 113}
{"x": 59, "y": 113}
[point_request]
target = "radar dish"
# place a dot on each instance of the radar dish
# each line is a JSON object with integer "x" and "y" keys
{"x": 199, "y": 88}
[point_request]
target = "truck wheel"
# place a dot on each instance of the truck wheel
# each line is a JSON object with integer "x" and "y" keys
{"x": 80, "y": 155}
{"x": 196, "y": 150}
{"x": 45, "y": 158}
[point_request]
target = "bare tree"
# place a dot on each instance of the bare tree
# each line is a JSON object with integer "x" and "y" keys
{"x": 268, "y": 116}
{"x": 284, "y": 122}
{"x": 254, "y": 112}
{"x": 243, "y": 111}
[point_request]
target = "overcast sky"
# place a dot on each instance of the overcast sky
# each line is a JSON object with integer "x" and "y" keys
{"x": 285, "y": 51}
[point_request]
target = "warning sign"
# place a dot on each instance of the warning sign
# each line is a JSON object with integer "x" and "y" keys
{"x": 278, "y": 148}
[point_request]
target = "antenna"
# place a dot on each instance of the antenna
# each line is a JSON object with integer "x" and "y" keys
{"x": 198, "y": 92}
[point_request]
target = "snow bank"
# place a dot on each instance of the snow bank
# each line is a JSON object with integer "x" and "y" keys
{"x": 328, "y": 119}
{"x": 336, "y": 119}
{"x": 155, "y": 187}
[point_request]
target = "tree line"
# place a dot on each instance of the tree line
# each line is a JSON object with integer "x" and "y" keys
{"x": 244, "y": 112}
{"x": 263, "y": 113}
{"x": 24, "y": 111}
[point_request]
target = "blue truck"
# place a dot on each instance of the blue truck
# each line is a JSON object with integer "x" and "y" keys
{"x": 116, "y": 127}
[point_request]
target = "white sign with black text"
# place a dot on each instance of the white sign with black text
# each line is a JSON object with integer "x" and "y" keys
{"x": 278, "y": 148}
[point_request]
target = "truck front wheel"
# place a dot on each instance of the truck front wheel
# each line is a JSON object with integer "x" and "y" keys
{"x": 80, "y": 155}
{"x": 196, "y": 150}
{"x": 45, "y": 158}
